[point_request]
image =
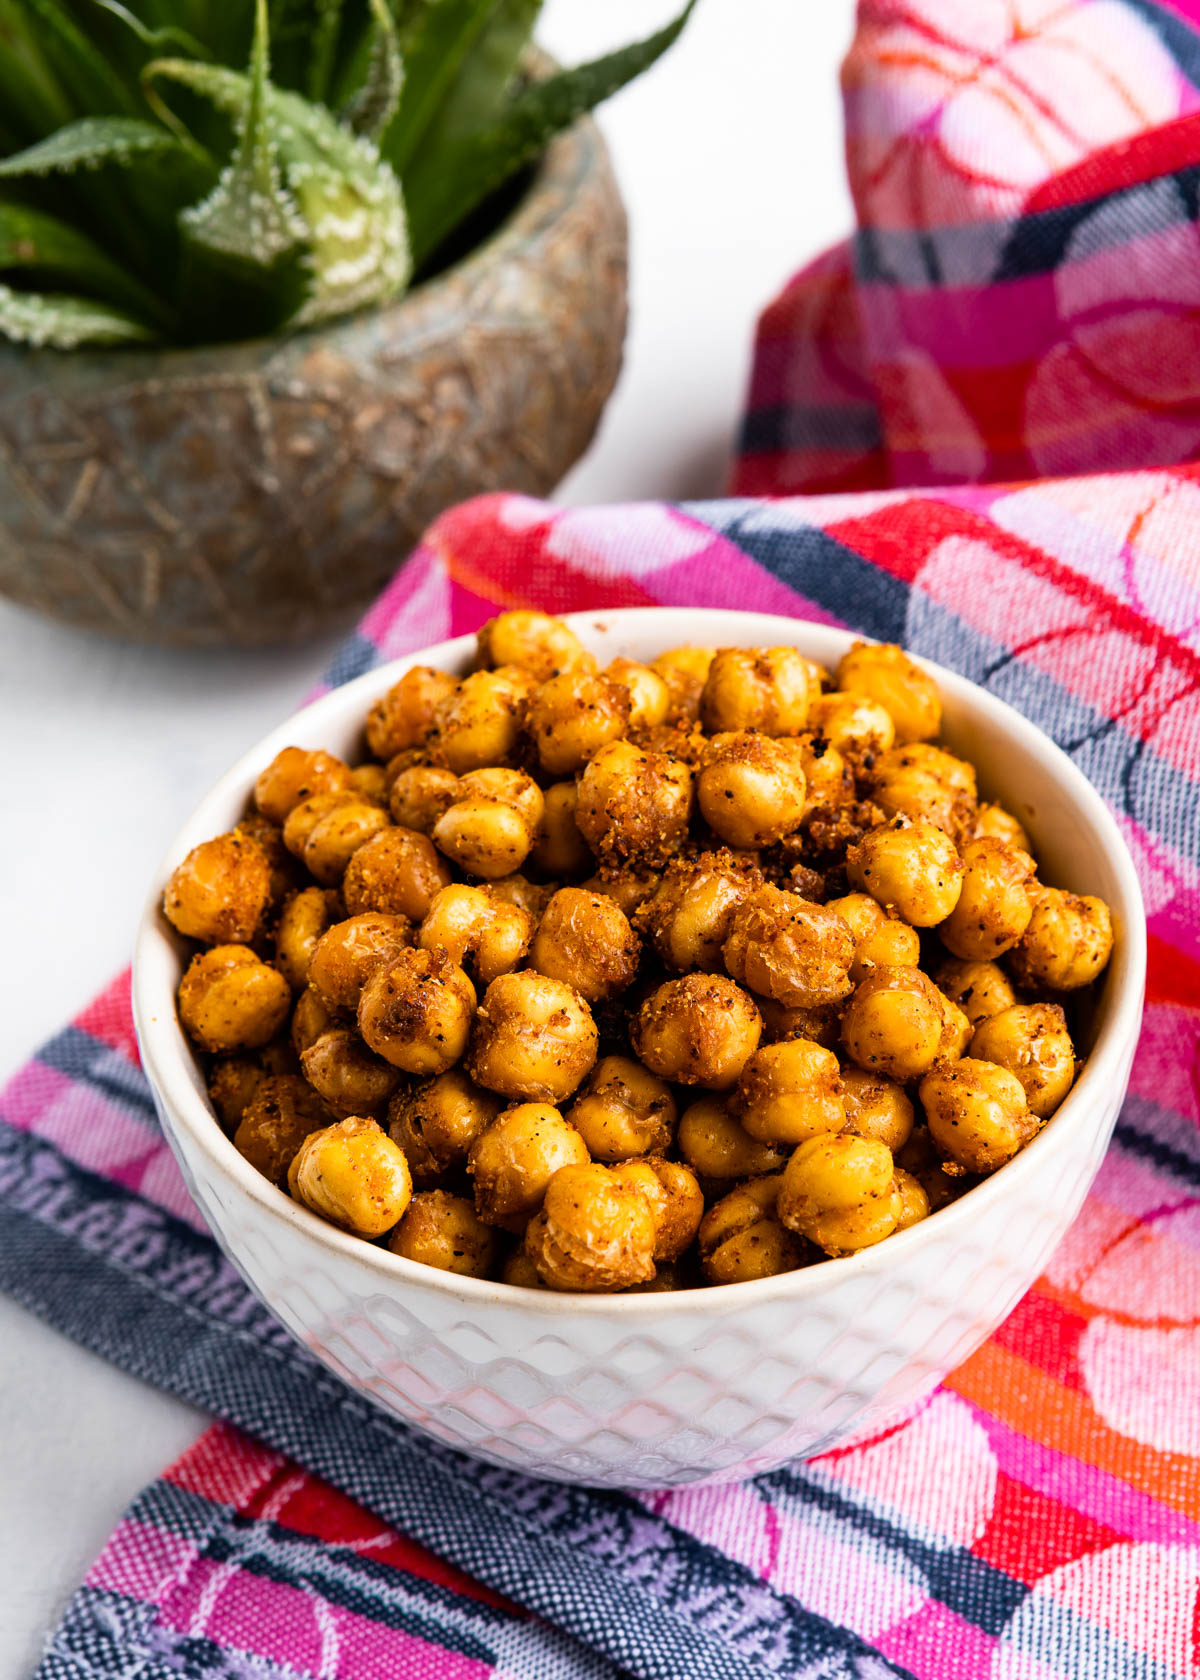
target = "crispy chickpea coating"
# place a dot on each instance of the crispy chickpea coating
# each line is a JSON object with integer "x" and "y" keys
{"x": 594, "y": 1232}
{"x": 700, "y": 1030}
{"x": 397, "y": 873}
{"x": 527, "y": 895}
{"x": 490, "y": 829}
{"x": 533, "y": 642}
{"x": 823, "y": 1024}
{"x": 914, "y": 1200}
{"x": 348, "y": 953}
{"x": 560, "y": 849}
{"x": 406, "y": 714}
{"x": 229, "y": 999}
{"x": 254, "y": 826}
{"x": 980, "y": 989}
{"x": 859, "y": 727}
{"x": 1031, "y": 1041}
{"x": 716, "y": 1145}
{"x": 534, "y": 1038}
{"x": 343, "y": 1071}
{"x": 353, "y": 1175}
{"x": 295, "y": 775}
{"x": 480, "y": 723}
{"x": 585, "y": 939}
{"x": 977, "y": 1114}
{"x": 675, "y": 1198}
{"x": 841, "y": 1193}
{"x": 685, "y": 671}
{"x": 912, "y": 868}
{"x": 634, "y": 804}
{"x": 232, "y": 1081}
{"x": 789, "y": 949}
{"x": 436, "y": 1121}
{"x": 481, "y": 933}
{"x": 907, "y": 693}
{"x": 371, "y": 781}
{"x": 305, "y": 916}
{"x": 1067, "y": 944}
{"x": 622, "y": 1110}
{"x": 444, "y": 1231}
{"x": 956, "y": 1031}
{"x": 767, "y": 689}
{"x": 829, "y": 779}
{"x": 310, "y": 1019}
{"x": 326, "y": 831}
{"x": 628, "y": 888}
{"x": 790, "y": 1092}
{"x": 416, "y": 1012}
{"x": 880, "y": 940}
{"x": 993, "y": 822}
{"x": 894, "y": 1023}
{"x": 688, "y": 917}
{"x": 876, "y": 1107}
{"x": 220, "y": 891}
{"x": 514, "y": 1160}
{"x": 649, "y": 696}
{"x": 283, "y": 1111}
{"x": 572, "y": 716}
{"x": 741, "y": 1237}
{"x": 419, "y": 795}
{"x": 996, "y": 902}
{"x": 752, "y": 789}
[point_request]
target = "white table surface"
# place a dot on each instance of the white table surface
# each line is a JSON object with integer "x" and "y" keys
{"x": 729, "y": 153}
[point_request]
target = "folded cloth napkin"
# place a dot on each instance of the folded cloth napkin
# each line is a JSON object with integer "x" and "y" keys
{"x": 1039, "y": 1516}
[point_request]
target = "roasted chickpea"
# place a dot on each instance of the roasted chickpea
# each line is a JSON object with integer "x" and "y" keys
{"x": 789, "y": 949}
{"x": 371, "y": 781}
{"x": 310, "y": 1019}
{"x": 283, "y": 1111}
{"x": 232, "y": 1081}
{"x": 752, "y": 790}
{"x": 716, "y": 1145}
{"x": 628, "y": 888}
{"x": 480, "y": 723}
{"x": 295, "y": 775}
{"x": 481, "y": 933}
{"x": 880, "y": 940}
{"x": 856, "y": 725}
{"x": 1031, "y": 1041}
{"x": 996, "y": 902}
{"x": 980, "y": 989}
{"x": 956, "y": 1031}
{"x": 444, "y": 1231}
{"x": 993, "y": 822}
{"x": 572, "y": 716}
{"x": 767, "y": 689}
{"x": 560, "y": 849}
{"x": 894, "y": 1023}
{"x": 343, "y": 1071}
{"x": 534, "y": 1038}
{"x": 436, "y": 1122}
{"x": 220, "y": 891}
{"x": 420, "y": 794}
{"x": 634, "y": 804}
{"x": 526, "y": 895}
{"x": 348, "y": 953}
{"x": 688, "y": 917}
{"x": 623, "y": 1110}
{"x": 1067, "y": 944}
{"x": 841, "y": 1193}
{"x": 823, "y": 1024}
{"x": 790, "y": 1092}
{"x": 907, "y": 693}
{"x": 876, "y": 1107}
{"x": 919, "y": 1158}
{"x": 280, "y": 862}
{"x": 700, "y": 1030}
{"x": 229, "y": 999}
{"x": 327, "y": 830}
{"x": 912, "y": 868}
{"x": 828, "y": 777}
{"x": 594, "y": 1232}
{"x": 977, "y": 1114}
{"x": 685, "y": 671}
{"x": 514, "y": 1160}
{"x": 304, "y": 918}
{"x": 490, "y": 829}
{"x": 533, "y": 642}
{"x": 741, "y": 1237}
{"x": 405, "y": 715}
{"x": 353, "y": 1175}
{"x": 416, "y": 1012}
{"x": 914, "y": 1200}
{"x": 926, "y": 783}
{"x": 585, "y": 939}
{"x": 649, "y": 696}
{"x": 398, "y": 873}
{"x": 675, "y": 1199}
{"x": 519, "y": 1270}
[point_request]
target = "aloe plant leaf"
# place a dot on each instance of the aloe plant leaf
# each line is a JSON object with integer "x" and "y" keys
{"x": 434, "y": 45}
{"x": 377, "y": 100}
{"x": 480, "y": 90}
{"x": 83, "y": 69}
{"x": 65, "y": 323}
{"x": 446, "y": 184}
{"x": 30, "y": 239}
{"x": 324, "y": 48}
{"x": 155, "y": 39}
{"x": 31, "y": 95}
{"x": 87, "y": 144}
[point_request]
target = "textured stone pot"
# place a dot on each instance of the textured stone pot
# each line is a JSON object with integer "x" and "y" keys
{"x": 259, "y": 492}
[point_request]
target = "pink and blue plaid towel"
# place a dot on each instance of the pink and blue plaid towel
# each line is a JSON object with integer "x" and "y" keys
{"x": 1021, "y": 299}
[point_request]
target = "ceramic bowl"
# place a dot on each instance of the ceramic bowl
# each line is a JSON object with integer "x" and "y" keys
{"x": 661, "y": 1389}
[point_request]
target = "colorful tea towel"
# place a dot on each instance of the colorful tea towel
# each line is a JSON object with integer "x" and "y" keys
{"x": 1039, "y": 1517}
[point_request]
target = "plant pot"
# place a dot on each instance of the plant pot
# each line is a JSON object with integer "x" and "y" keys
{"x": 260, "y": 492}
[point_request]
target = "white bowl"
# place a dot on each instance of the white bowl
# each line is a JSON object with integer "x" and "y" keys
{"x": 660, "y": 1389}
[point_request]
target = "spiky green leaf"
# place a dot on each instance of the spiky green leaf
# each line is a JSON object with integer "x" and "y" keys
{"x": 34, "y": 241}
{"x": 485, "y": 80}
{"x": 156, "y": 40}
{"x": 61, "y": 322}
{"x": 435, "y": 45}
{"x": 87, "y": 144}
{"x": 323, "y": 50}
{"x": 31, "y": 96}
{"x": 83, "y": 69}
{"x": 377, "y": 100}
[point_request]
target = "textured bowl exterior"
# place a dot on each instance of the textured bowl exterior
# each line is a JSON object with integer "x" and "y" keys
{"x": 261, "y": 492}
{"x": 658, "y": 1390}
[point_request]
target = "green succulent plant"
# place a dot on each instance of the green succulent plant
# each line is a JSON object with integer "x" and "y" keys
{"x": 185, "y": 171}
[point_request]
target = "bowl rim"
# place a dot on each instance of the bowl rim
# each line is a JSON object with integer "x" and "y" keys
{"x": 169, "y": 1065}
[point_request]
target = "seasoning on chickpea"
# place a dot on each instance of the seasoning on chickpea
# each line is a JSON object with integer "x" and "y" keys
{"x": 534, "y": 1038}
{"x": 766, "y": 689}
{"x": 406, "y": 714}
{"x": 282, "y": 1112}
{"x": 436, "y": 1121}
{"x": 993, "y": 822}
{"x": 305, "y": 916}
{"x": 310, "y": 1018}
{"x": 856, "y": 725}
{"x": 894, "y": 1023}
{"x": 416, "y": 1012}
{"x": 841, "y": 1193}
{"x": 480, "y": 932}
{"x": 1032, "y": 1042}
{"x": 675, "y": 1198}
{"x": 341, "y": 1069}
{"x": 622, "y": 1110}
{"x": 326, "y": 831}
{"x": 594, "y": 1232}
{"x": 741, "y": 1237}
{"x": 790, "y": 1092}
{"x": 880, "y": 940}
{"x": 397, "y": 873}
{"x": 926, "y": 784}
{"x": 533, "y": 642}
{"x": 353, "y": 1175}
{"x": 908, "y": 694}
{"x": 585, "y": 939}
{"x": 419, "y": 794}
{"x": 573, "y": 715}
{"x": 444, "y": 1231}
{"x": 480, "y": 723}
{"x": 685, "y": 671}
{"x": 219, "y": 892}
{"x": 687, "y": 918}
{"x": 977, "y": 1115}
{"x": 910, "y": 867}
{"x": 876, "y": 1107}
{"x": 996, "y": 902}
{"x": 294, "y": 776}
{"x": 752, "y": 789}
{"x": 229, "y": 999}
{"x": 716, "y": 1145}
{"x": 1067, "y": 943}
{"x": 789, "y": 949}
{"x": 649, "y": 696}
{"x": 514, "y": 1159}
{"x": 700, "y": 1030}
{"x": 634, "y": 804}
{"x": 348, "y": 953}
{"x": 560, "y": 850}
{"x": 980, "y": 989}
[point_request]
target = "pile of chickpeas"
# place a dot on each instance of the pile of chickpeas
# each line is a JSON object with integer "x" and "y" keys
{"x": 633, "y": 978}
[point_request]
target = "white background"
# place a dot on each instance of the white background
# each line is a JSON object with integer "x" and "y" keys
{"x": 729, "y": 154}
